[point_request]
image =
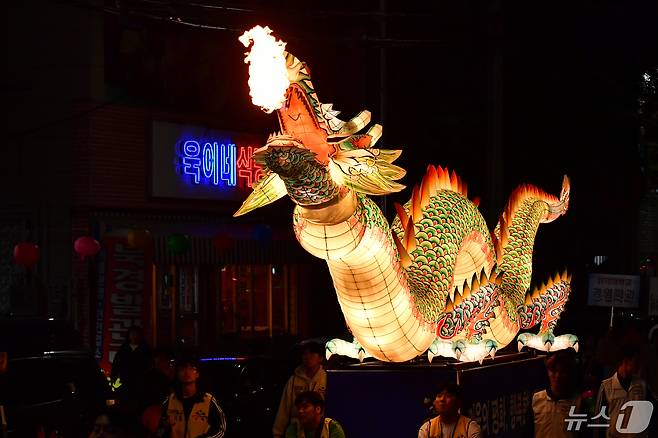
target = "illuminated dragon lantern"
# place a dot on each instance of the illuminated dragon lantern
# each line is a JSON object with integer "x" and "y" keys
{"x": 436, "y": 279}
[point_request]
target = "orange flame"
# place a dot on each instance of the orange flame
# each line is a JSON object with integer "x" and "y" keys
{"x": 268, "y": 75}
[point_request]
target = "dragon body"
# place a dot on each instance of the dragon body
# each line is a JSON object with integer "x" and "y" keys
{"x": 436, "y": 279}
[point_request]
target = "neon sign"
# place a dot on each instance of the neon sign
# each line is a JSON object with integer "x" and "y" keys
{"x": 218, "y": 164}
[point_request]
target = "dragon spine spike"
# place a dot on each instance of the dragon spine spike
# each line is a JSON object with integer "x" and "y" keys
{"x": 405, "y": 260}
{"x": 402, "y": 214}
{"x": 499, "y": 278}
{"x": 499, "y": 252}
{"x": 416, "y": 210}
{"x": 425, "y": 193}
{"x": 442, "y": 178}
{"x": 557, "y": 278}
{"x": 452, "y": 294}
{"x": 454, "y": 184}
{"x": 449, "y": 305}
{"x": 475, "y": 284}
{"x": 458, "y": 299}
{"x": 410, "y": 236}
{"x": 446, "y": 180}
{"x": 467, "y": 293}
{"x": 466, "y": 288}
{"x": 528, "y": 299}
{"x": 537, "y": 291}
{"x": 433, "y": 179}
{"x": 504, "y": 233}
{"x": 476, "y": 201}
{"x": 465, "y": 189}
{"x": 484, "y": 278}
{"x": 549, "y": 283}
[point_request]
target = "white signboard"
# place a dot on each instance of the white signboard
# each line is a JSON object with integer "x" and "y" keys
{"x": 614, "y": 290}
{"x": 653, "y": 296}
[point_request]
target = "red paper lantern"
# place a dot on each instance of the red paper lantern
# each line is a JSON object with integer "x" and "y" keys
{"x": 86, "y": 246}
{"x": 26, "y": 254}
{"x": 222, "y": 242}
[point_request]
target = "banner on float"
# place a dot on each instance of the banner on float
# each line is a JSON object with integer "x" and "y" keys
{"x": 501, "y": 409}
{"x": 127, "y": 293}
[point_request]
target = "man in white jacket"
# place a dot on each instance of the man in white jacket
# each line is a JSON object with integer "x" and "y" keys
{"x": 624, "y": 386}
{"x": 554, "y": 405}
{"x": 309, "y": 376}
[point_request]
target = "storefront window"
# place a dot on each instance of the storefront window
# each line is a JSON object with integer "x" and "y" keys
{"x": 201, "y": 304}
{"x": 256, "y": 299}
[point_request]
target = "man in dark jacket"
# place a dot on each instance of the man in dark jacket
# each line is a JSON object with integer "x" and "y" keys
{"x": 130, "y": 366}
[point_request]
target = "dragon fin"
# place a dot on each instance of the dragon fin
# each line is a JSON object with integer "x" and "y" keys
{"x": 416, "y": 209}
{"x": 402, "y": 214}
{"x": 265, "y": 191}
{"x": 366, "y": 171}
{"x": 410, "y": 236}
{"x": 405, "y": 260}
{"x": 354, "y": 125}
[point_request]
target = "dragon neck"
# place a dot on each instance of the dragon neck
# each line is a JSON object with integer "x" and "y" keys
{"x": 516, "y": 260}
{"x": 311, "y": 187}
{"x": 307, "y": 181}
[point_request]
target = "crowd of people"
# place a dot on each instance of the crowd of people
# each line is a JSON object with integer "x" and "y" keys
{"x": 161, "y": 396}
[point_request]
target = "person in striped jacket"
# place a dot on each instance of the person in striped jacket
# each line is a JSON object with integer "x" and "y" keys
{"x": 189, "y": 412}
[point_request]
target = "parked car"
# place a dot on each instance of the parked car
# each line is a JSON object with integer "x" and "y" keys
{"x": 56, "y": 390}
{"x": 44, "y": 385}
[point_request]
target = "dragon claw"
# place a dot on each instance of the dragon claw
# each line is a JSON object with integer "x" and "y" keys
{"x": 343, "y": 348}
{"x": 330, "y": 348}
{"x": 462, "y": 350}
{"x": 547, "y": 341}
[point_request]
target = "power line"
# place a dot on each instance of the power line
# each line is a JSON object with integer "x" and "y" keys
{"x": 173, "y": 17}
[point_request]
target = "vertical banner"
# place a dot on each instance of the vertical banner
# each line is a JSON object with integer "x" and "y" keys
{"x": 127, "y": 294}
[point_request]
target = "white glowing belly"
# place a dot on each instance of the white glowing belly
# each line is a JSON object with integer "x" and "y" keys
{"x": 372, "y": 291}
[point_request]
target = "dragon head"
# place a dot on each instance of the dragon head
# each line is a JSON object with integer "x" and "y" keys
{"x": 315, "y": 154}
